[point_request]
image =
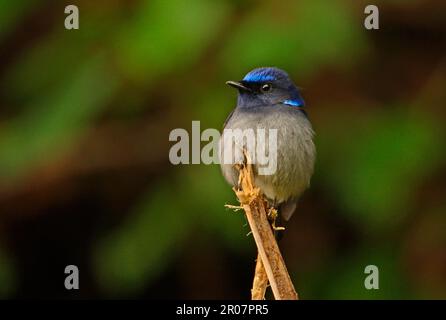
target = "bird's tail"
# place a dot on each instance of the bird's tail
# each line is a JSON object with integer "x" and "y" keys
{"x": 287, "y": 209}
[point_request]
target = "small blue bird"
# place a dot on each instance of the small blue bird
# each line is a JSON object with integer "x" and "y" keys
{"x": 268, "y": 99}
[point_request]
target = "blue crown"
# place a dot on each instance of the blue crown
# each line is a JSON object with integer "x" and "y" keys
{"x": 263, "y": 74}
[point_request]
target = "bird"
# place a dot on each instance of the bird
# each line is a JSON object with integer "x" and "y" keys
{"x": 269, "y": 99}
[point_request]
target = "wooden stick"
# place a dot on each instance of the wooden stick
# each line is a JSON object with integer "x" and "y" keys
{"x": 253, "y": 203}
{"x": 260, "y": 283}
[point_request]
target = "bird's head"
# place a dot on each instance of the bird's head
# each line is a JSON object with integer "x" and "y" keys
{"x": 267, "y": 86}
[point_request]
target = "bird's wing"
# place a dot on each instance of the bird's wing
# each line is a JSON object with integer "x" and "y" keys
{"x": 227, "y": 119}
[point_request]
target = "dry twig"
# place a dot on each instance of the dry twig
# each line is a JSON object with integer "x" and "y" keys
{"x": 260, "y": 283}
{"x": 271, "y": 259}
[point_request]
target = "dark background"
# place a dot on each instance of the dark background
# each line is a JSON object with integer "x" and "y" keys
{"x": 85, "y": 177}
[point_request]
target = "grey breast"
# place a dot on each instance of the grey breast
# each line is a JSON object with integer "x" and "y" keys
{"x": 295, "y": 149}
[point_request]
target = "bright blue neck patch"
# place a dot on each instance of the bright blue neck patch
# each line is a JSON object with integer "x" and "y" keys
{"x": 294, "y": 103}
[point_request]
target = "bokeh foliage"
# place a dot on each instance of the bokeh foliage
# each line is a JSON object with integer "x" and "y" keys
{"x": 81, "y": 108}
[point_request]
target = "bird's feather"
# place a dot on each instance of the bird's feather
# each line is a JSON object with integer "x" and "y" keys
{"x": 287, "y": 208}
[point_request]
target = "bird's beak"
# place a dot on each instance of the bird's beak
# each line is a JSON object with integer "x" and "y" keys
{"x": 238, "y": 85}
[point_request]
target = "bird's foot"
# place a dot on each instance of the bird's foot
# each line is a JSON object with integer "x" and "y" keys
{"x": 277, "y": 228}
{"x": 272, "y": 216}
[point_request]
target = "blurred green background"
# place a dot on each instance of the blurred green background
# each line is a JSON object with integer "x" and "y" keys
{"x": 84, "y": 122}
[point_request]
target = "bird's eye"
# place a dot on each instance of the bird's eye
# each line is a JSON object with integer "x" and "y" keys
{"x": 266, "y": 87}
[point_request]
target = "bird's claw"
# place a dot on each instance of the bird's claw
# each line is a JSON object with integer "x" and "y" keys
{"x": 272, "y": 216}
